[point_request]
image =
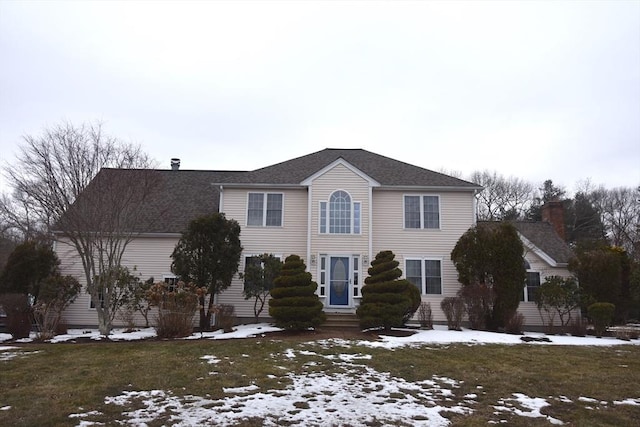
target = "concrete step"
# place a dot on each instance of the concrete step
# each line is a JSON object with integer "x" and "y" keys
{"x": 339, "y": 320}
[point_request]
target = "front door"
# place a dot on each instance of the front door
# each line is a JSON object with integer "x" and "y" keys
{"x": 339, "y": 281}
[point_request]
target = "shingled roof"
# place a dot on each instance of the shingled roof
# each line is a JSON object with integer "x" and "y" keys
{"x": 181, "y": 195}
{"x": 386, "y": 171}
{"x": 543, "y": 236}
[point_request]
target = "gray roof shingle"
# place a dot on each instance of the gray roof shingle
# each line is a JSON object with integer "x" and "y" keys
{"x": 386, "y": 171}
{"x": 543, "y": 235}
{"x": 181, "y": 195}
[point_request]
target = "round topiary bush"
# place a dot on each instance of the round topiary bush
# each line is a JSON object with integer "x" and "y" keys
{"x": 294, "y": 304}
{"x": 387, "y": 301}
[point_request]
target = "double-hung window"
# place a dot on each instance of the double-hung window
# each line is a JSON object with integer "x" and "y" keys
{"x": 340, "y": 215}
{"x": 264, "y": 209}
{"x": 421, "y": 211}
{"x": 425, "y": 274}
{"x": 532, "y": 284}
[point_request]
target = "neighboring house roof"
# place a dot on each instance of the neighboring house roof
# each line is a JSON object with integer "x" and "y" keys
{"x": 384, "y": 170}
{"x": 544, "y": 237}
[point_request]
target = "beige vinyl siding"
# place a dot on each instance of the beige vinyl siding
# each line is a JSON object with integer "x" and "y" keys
{"x": 340, "y": 178}
{"x": 149, "y": 256}
{"x": 529, "y": 309}
{"x": 289, "y": 239}
{"x": 389, "y": 234}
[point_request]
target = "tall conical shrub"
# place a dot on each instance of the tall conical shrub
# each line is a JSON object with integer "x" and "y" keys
{"x": 387, "y": 301}
{"x": 294, "y": 304}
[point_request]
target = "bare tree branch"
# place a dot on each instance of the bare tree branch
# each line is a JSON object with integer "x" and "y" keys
{"x": 89, "y": 189}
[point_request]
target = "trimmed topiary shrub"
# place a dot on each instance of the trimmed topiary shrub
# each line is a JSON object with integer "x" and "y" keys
{"x": 294, "y": 304}
{"x": 453, "y": 308}
{"x": 601, "y": 314}
{"x": 387, "y": 301}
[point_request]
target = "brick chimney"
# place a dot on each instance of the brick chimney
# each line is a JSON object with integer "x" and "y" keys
{"x": 553, "y": 213}
{"x": 175, "y": 164}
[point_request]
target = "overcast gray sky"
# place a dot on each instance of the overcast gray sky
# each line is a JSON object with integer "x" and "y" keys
{"x": 536, "y": 90}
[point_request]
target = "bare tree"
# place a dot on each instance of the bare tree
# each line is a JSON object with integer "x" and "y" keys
{"x": 502, "y": 198}
{"x": 621, "y": 217}
{"x": 64, "y": 178}
{"x": 20, "y": 217}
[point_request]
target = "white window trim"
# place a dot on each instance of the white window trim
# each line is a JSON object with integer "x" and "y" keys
{"x": 423, "y": 273}
{"x": 264, "y": 209}
{"x": 421, "y": 195}
{"x": 169, "y": 276}
{"x": 526, "y": 288}
{"x": 327, "y": 211}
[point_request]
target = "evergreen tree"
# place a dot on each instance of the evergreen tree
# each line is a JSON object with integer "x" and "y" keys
{"x": 492, "y": 255}
{"x": 294, "y": 304}
{"x": 387, "y": 301}
{"x": 604, "y": 275}
{"x": 208, "y": 255}
{"x": 27, "y": 266}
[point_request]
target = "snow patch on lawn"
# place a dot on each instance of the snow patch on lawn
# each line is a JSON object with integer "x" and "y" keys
{"x": 531, "y": 407}
{"x": 441, "y": 335}
{"x": 355, "y": 395}
{"x": 633, "y": 402}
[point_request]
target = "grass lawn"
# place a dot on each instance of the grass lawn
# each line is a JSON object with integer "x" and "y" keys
{"x": 281, "y": 381}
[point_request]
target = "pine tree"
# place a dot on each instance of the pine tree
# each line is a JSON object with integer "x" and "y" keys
{"x": 387, "y": 301}
{"x": 294, "y": 304}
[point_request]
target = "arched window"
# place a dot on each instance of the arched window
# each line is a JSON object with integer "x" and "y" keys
{"x": 340, "y": 215}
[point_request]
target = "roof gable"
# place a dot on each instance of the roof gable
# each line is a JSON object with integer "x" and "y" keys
{"x": 342, "y": 162}
{"x": 383, "y": 170}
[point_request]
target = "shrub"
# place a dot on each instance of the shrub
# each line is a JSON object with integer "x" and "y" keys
{"x": 601, "y": 314}
{"x": 557, "y": 296}
{"x": 453, "y": 309}
{"x": 56, "y": 294}
{"x": 225, "y": 317}
{"x": 294, "y": 304}
{"x": 478, "y": 301}
{"x": 135, "y": 300}
{"x": 425, "y": 315}
{"x": 259, "y": 274}
{"x": 18, "y": 314}
{"x": 514, "y": 324}
{"x": 387, "y": 301}
{"x": 578, "y": 327}
{"x": 176, "y": 308}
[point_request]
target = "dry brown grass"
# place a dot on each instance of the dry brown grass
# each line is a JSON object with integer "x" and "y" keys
{"x": 51, "y": 381}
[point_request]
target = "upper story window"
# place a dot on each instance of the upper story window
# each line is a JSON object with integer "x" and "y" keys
{"x": 421, "y": 212}
{"x": 265, "y": 209}
{"x": 340, "y": 215}
{"x": 532, "y": 283}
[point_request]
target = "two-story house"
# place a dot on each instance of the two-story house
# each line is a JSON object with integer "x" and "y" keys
{"x": 336, "y": 208}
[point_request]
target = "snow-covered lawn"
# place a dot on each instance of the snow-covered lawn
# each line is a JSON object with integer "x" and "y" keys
{"x": 339, "y": 388}
{"x": 438, "y": 335}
